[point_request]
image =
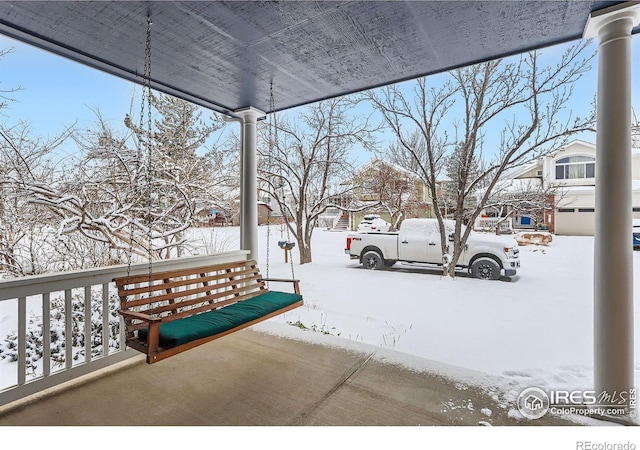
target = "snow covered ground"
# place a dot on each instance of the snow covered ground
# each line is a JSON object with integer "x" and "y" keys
{"x": 535, "y": 330}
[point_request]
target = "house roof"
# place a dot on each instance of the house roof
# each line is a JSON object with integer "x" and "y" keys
{"x": 266, "y": 205}
{"x": 226, "y": 55}
{"x": 519, "y": 171}
{"x": 517, "y": 185}
{"x": 375, "y": 161}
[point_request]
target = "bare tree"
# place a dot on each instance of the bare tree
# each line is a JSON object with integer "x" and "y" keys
{"x": 397, "y": 191}
{"x": 442, "y": 129}
{"x": 130, "y": 199}
{"x": 28, "y": 242}
{"x": 24, "y": 159}
{"x": 305, "y": 161}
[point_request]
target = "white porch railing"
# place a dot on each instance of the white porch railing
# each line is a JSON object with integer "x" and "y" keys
{"x": 330, "y": 218}
{"x": 91, "y": 286}
{"x": 490, "y": 224}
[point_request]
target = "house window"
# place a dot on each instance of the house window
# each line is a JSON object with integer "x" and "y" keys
{"x": 586, "y": 210}
{"x": 566, "y": 210}
{"x": 575, "y": 167}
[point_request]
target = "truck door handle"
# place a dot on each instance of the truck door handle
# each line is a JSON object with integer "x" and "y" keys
{"x": 432, "y": 243}
{"x": 405, "y": 242}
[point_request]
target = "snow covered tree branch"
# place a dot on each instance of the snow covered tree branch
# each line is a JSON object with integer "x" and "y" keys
{"x": 128, "y": 199}
{"x": 24, "y": 159}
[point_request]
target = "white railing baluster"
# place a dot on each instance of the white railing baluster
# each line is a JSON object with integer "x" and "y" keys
{"x": 46, "y": 334}
{"x": 68, "y": 330}
{"x": 22, "y": 341}
{"x": 87, "y": 323}
{"x": 106, "y": 330}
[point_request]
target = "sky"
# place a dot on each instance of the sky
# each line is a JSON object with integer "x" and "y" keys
{"x": 57, "y": 92}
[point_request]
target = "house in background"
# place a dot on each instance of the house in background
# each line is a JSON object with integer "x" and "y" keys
{"x": 568, "y": 178}
{"x": 209, "y": 217}
{"x": 217, "y": 216}
{"x": 396, "y": 192}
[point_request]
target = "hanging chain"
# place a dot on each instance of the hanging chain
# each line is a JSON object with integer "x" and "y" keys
{"x": 268, "y": 171}
{"x": 143, "y": 102}
{"x": 285, "y": 216}
{"x": 146, "y": 96}
{"x": 273, "y": 143}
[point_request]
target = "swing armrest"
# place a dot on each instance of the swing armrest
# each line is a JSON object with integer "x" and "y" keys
{"x": 296, "y": 283}
{"x": 140, "y": 316}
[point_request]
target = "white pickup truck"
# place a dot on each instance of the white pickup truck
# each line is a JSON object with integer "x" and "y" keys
{"x": 418, "y": 241}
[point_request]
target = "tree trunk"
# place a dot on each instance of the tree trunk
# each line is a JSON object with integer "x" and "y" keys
{"x": 455, "y": 257}
{"x": 304, "y": 244}
{"x": 305, "y": 253}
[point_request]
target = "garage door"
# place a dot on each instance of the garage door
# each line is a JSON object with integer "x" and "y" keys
{"x": 575, "y": 221}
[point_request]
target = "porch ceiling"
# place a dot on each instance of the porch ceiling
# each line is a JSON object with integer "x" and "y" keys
{"x": 224, "y": 54}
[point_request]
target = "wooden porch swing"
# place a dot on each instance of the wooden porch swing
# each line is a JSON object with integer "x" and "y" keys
{"x": 166, "y": 313}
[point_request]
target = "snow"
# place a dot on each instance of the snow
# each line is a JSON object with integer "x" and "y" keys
{"x": 535, "y": 330}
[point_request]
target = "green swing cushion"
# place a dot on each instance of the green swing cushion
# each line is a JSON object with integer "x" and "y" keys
{"x": 210, "y": 323}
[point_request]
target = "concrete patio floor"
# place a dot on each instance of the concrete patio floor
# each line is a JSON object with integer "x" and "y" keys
{"x": 252, "y": 378}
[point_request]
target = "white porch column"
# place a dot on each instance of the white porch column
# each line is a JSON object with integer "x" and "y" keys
{"x": 249, "y": 180}
{"x": 613, "y": 263}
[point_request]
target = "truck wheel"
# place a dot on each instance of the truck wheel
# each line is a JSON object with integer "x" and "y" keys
{"x": 372, "y": 260}
{"x": 485, "y": 269}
